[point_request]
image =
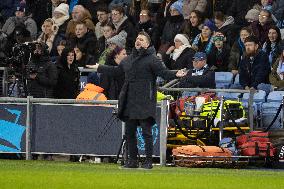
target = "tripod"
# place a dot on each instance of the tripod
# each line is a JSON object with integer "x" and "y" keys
{"x": 122, "y": 150}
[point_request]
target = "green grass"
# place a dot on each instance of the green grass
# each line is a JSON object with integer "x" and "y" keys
{"x": 53, "y": 175}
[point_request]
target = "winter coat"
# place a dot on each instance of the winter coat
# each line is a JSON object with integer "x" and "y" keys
{"x": 203, "y": 46}
{"x": 219, "y": 59}
{"x": 86, "y": 60}
{"x": 152, "y": 29}
{"x": 12, "y": 22}
{"x": 40, "y": 10}
{"x": 128, "y": 27}
{"x": 44, "y": 83}
{"x": 172, "y": 28}
{"x": 206, "y": 80}
{"x": 137, "y": 99}
{"x": 183, "y": 61}
{"x": 190, "y": 5}
{"x": 68, "y": 82}
{"x": 239, "y": 9}
{"x": 259, "y": 31}
{"x": 87, "y": 19}
{"x": 112, "y": 85}
{"x": 274, "y": 78}
{"x": 278, "y": 9}
{"x": 255, "y": 73}
{"x": 235, "y": 55}
{"x": 7, "y": 8}
{"x": 161, "y": 17}
{"x": 92, "y": 92}
{"x": 88, "y": 42}
{"x": 191, "y": 31}
{"x": 230, "y": 30}
{"x": 273, "y": 53}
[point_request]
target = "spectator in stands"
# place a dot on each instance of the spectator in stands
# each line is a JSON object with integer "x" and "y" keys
{"x": 121, "y": 3}
{"x": 146, "y": 24}
{"x": 112, "y": 84}
{"x": 68, "y": 76}
{"x": 193, "y": 26}
{"x": 276, "y": 76}
{"x": 277, "y": 11}
{"x": 121, "y": 22}
{"x": 271, "y": 46}
{"x": 190, "y": 5}
{"x": 61, "y": 18}
{"x": 60, "y": 47}
{"x": 172, "y": 27}
{"x": 239, "y": 8}
{"x": 218, "y": 58}
{"x": 163, "y": 14}
{"x": 260, "y": 28}
{"x": 20, "y": 18}
{"x": 79, "y": 14}
{"x": 113, "y": 42}
{"x": 135, "y": 9}
{"x": 103, "y": 19}
{"x": 201, "y": 76}
{"x": 42, "y": 74}
{"x": 238, "y": 49}
{"x": 154, "y": 5}
{"x": 203, "y": 41}
{"x": 108, "y": 32}
{"x": 93, "y": 6}
{"x": 180, "y": 55}
{"x": 226, "y": 25}
{"x": 85, "y": 38}
{"x": 92, "y": 90}
{"x": 82, "y": 57}
{"x": 254, "y": 66}
{"x": 252, "y": 16}
{"x": 49, "y": 31}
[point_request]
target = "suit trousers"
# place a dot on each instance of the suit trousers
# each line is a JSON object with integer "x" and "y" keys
{"x": 131, "y": 136}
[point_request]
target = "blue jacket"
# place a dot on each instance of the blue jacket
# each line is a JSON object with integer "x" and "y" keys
{"x": 254, "y": 71}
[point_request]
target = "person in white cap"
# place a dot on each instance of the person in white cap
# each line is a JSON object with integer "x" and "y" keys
{"x": 180, "y": 55}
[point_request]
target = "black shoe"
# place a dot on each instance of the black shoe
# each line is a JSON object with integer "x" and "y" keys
{"x": 147, "y": 164}
{"x": 131, "y": 164}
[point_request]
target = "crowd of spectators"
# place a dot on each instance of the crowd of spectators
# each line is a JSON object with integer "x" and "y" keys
{"x": 237, "y": 36}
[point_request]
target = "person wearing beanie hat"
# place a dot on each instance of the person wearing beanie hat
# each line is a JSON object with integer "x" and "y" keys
{"x": 63, "y": 8}
{"x": 203, "y": 41}
{"x": 177, "y": 6}
{"x": 180, "y": 55}
{"x": 118, "y": 40}
{"x": 137, "y": 100}
{"x": 218, "y": 58}
{"x": 252, "y": 15}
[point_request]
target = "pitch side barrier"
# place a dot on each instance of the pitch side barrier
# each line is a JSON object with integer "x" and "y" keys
{"x": 70, "y": 127}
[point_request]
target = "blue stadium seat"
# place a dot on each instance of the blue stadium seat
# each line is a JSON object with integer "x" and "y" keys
{"x": 275, "y": 96}
{"x": 223, "y": 80}
{"x": 229, "y": 96}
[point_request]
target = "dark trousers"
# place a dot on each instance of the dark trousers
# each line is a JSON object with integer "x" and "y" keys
{"x": 131, "y": 137}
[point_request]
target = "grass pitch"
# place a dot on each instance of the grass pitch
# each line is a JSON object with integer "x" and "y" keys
{"x": 53, "y": 175}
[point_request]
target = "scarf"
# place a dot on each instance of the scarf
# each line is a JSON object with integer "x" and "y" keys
{"x": 177, "y": 52}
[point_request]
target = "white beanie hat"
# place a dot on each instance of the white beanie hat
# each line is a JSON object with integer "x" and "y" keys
{"x": 182, "y": 38}
{"x": 62, "y": 8}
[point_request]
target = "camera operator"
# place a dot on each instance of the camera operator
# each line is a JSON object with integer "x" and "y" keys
{"x": 41, "y": 73}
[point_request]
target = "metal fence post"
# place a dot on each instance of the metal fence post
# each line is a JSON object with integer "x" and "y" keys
{"x": 221, "y": 118}
{"x": 250, "y": 109}
{"x": 163, "y": 132}
{"x": 28, "y": 129}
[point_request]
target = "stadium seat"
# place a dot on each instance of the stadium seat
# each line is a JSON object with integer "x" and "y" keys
{"x": 229, "y": 96}
{"x": 275, "y": 96}
{"x": 223, "y": 80}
